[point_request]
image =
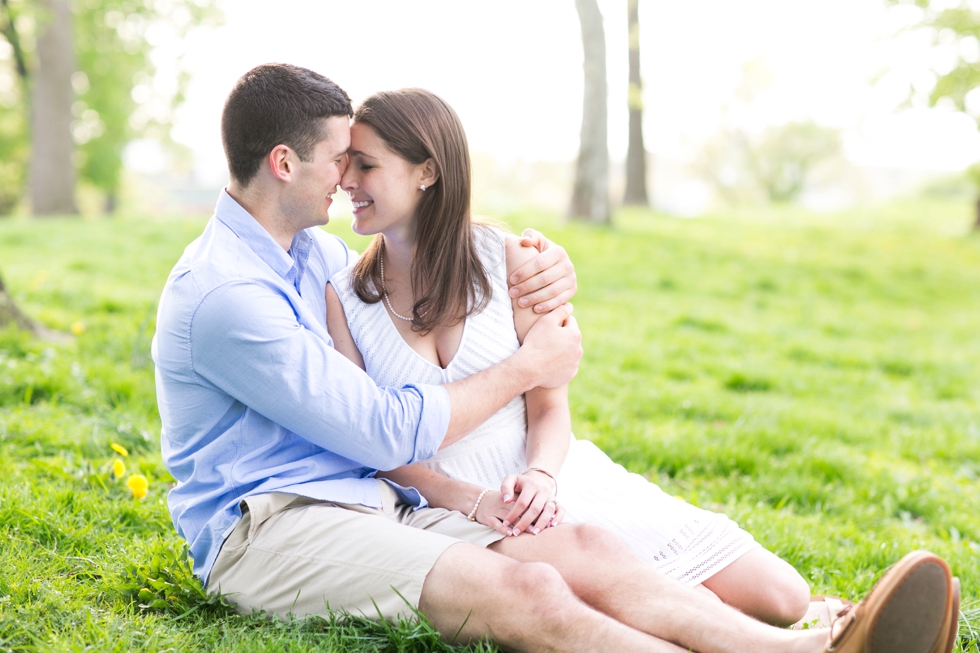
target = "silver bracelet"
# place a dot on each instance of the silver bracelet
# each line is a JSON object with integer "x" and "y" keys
{"x": 472, "y": 515}
{"x": 545, "y": 472}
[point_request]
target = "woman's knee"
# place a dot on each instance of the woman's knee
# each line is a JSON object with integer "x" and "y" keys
{"x": 791, "y": 594}
{"x": 598, "y": 543}
{"x": 764, "y": 586}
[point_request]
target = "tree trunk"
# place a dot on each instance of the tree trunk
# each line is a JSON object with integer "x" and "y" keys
{"x": 636, "y": 154}
{"x": 976, "y": 224}
{"x": 52, "y": 169}
{"x": 10, "y": 314}
{"x": 590, "y": 196}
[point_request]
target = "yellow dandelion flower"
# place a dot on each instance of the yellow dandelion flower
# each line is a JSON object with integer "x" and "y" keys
{"x": 78, "y": 328}
{"x": 119, "y": 449}
{"x": 118, "y": 468}
{"x": 138, "y": 485}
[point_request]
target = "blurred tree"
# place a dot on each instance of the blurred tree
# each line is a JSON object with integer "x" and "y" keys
{"x": 10, "y": 314}
{"x": 636, "y": 153}
{"x": 13, "y": 120}
{"x": 776, "y": 165}
{"x": 52, "y": 188}
{"x": 959, "y": 23}
{"x": 13, "y": 156}
{"x": 590, "y": 195}
{"x": 785, "y": 157}
{"x": 114, "y": 96}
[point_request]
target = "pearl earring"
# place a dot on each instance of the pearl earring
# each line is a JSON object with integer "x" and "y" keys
{"x": 422, "y": 188}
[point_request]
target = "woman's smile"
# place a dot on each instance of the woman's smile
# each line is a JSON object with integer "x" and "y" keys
{"x": 360, "y": 204}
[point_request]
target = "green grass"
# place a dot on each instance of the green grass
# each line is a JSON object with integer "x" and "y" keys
{"x": 815, "y": 377}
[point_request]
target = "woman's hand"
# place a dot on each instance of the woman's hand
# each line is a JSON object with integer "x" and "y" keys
{"x": 493, "y": 512}
{"x": 532, "y": 506}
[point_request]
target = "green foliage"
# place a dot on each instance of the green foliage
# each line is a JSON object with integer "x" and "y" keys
{"x": 814, "y": 377}
{"x": 777, "y": 165}
{"x": 13, "y": 154}
{"x": 962, "y": 24}
{"x": 13, "y": 123}
{"x": 114, "y": 84}
{"x": 166, "y": 582}
{"x": 113, "y": 51}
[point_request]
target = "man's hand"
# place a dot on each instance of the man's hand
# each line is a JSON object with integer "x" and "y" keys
{"x": 546, "y": 281}
{"x": 552, "y": 348}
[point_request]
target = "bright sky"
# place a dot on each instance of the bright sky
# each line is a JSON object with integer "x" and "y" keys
{"x": 512, "y": 69}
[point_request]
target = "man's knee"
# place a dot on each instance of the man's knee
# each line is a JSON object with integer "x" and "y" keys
{"x": 538, "y": 590}
{"x": 537, "y": 579}
{"x": 494, "y": 584}
{"x": 471, "y": 595}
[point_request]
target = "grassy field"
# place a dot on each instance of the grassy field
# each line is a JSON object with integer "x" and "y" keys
{"x": 815, "y": 377}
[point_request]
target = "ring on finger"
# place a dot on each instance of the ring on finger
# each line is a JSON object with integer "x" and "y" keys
{"x": 554, "y": 501}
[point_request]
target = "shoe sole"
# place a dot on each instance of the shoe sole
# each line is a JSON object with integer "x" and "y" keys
{"x": 911, "y": 618}
{"x": 954, "y": 625}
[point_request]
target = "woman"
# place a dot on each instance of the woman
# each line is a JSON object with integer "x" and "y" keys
{"x": 428, "y": 303}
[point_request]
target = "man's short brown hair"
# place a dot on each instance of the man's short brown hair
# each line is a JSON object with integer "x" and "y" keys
{"x": 277, "y": 104}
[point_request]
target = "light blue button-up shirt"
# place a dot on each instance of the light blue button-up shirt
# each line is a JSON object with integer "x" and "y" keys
{"x": 252, "y": 395}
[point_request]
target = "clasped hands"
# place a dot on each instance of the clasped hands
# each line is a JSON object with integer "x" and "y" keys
{"x": 525, "y": 503}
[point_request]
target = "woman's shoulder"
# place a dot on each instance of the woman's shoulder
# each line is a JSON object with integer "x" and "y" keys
{"x": 497, "y": 246}
{"x": 343, "y": 282}
{"x": 343, "y": 276}
{"x": 491, "y": 243}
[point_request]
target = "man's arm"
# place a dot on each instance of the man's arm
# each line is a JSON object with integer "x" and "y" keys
{"x": 247, "y": 342}
{"x": 546, "y": 281}
{"x": 548, "y": 358}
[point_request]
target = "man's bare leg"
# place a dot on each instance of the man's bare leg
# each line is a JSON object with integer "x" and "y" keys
{"x": 473, "y": 593}
{"x": 602, "y": 571}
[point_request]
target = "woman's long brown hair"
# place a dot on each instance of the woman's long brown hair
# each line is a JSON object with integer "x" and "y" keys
{"x": 448, "y": 280}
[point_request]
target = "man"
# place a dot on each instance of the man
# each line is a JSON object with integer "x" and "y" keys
{"x": 274, "y": 439}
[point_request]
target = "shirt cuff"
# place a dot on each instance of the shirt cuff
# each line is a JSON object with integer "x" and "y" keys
{"x": 434, "y": 421}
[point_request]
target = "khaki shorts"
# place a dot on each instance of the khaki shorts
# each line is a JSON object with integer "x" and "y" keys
{"x": 292, "y": 555}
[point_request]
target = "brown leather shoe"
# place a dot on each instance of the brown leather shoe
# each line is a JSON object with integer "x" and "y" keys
{"x": 952, "y": 626}
{"x": 908, "y": 611}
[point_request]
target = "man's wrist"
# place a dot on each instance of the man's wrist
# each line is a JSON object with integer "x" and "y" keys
{"x": 523, "y": 370}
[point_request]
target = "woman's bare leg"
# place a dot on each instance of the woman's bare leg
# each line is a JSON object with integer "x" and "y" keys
{"x": 764, "y": 586}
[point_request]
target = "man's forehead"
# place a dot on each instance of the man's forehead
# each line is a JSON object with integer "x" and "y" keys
{"x": 338, "y": 134}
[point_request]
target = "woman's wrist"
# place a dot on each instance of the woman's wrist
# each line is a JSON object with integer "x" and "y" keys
{"x": 543, "y": 472}
{"x": 476, "y": 504}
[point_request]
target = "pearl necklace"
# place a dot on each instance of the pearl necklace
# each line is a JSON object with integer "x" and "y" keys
{"x": 384, "y": 291}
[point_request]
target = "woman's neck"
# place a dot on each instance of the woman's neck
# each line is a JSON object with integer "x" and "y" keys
{"x": 398, "y": 252}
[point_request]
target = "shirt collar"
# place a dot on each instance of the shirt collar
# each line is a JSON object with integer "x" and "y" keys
{"x": 289, "y": 265}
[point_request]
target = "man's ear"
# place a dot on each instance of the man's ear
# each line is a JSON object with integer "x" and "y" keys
{"x": 430, "y": 174}
{"x": 281, "y": 161}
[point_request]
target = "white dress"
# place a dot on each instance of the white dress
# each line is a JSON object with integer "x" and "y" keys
{"x": 681, "y": 540}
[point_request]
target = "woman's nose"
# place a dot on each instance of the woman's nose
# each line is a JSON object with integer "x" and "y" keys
{"x": 348, "y": 180}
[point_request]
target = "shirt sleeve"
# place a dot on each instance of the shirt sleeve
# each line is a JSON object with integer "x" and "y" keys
{"x": 247, "y": 341}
